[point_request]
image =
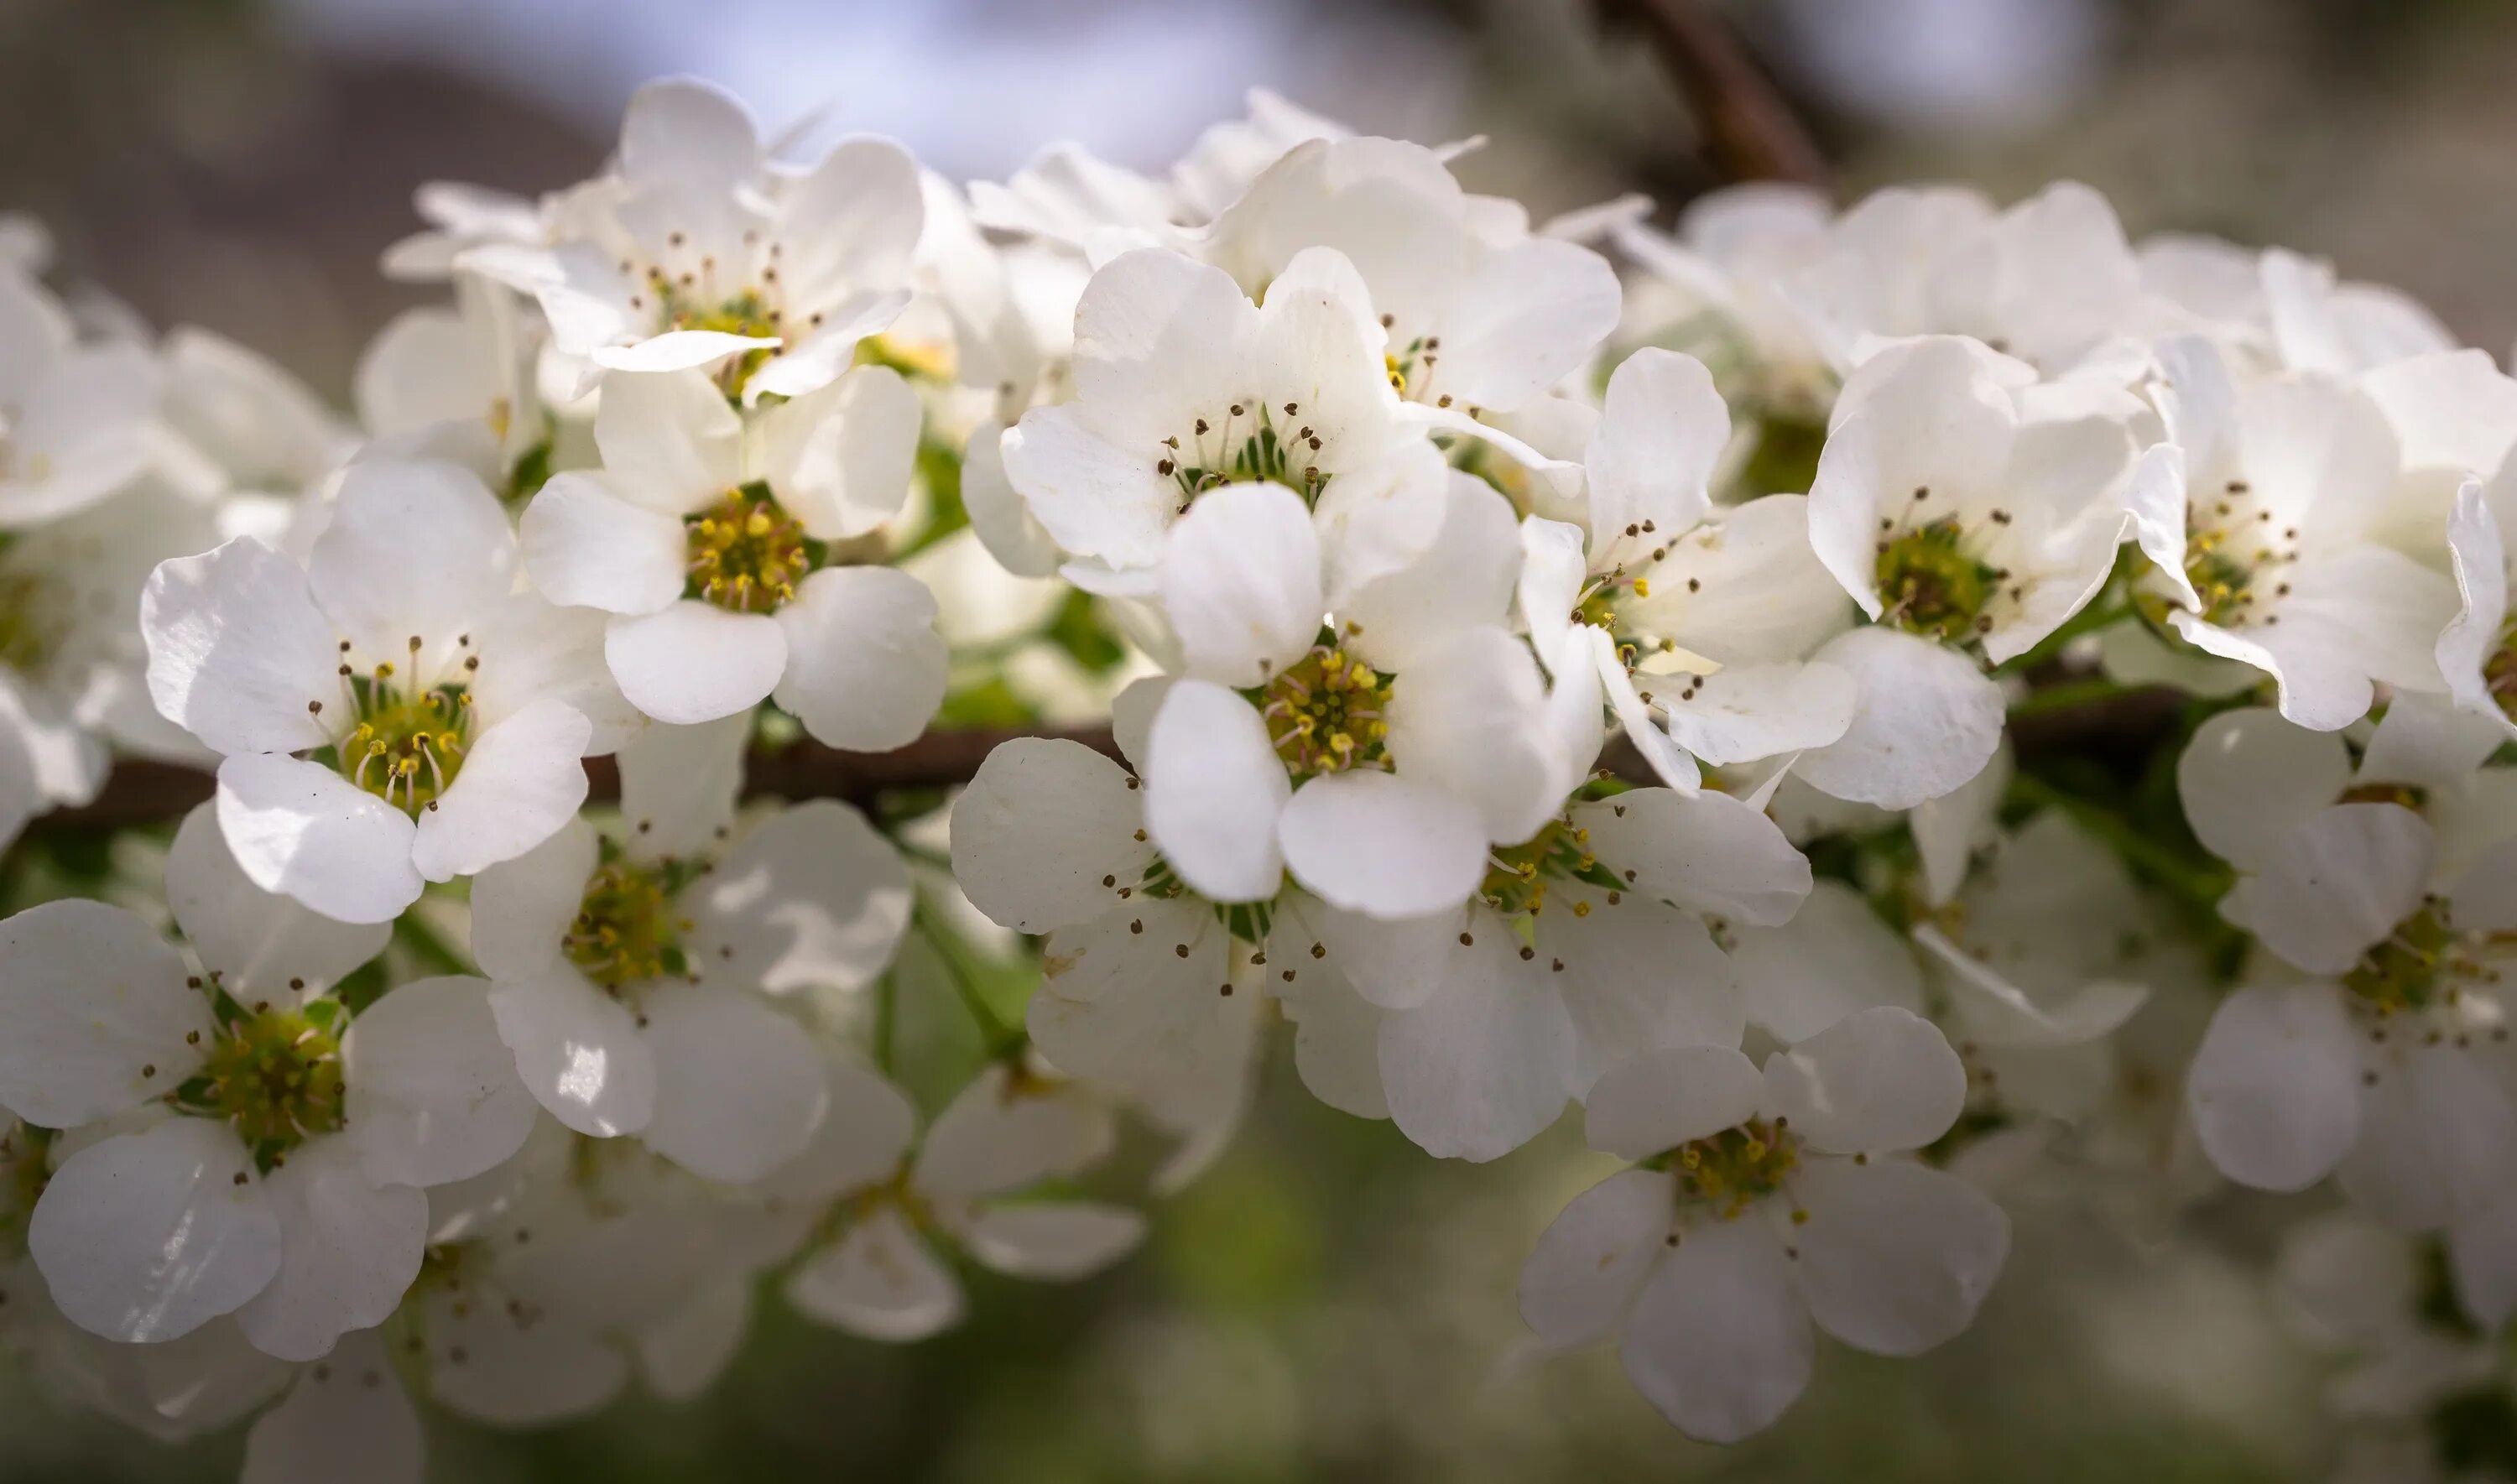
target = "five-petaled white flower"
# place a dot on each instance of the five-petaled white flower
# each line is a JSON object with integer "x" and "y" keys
{"x": 1761, "y": 1206}
{"x": 234, "y": 1140}
{"x": 707, "y": 535}
{"x": 393, "y": 712}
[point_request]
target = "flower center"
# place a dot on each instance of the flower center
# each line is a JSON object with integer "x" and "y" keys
{"x": 1325, "y": 713}
{"x": 1245, "y": 446}
{"x": 1517, "y": 876}
{"x": 277, "y": 1077}
{"x": 626, "y": 927}
{"x": 1931, "y": 585}
{"x": 31, "y": 623}
{"x": 408, "y": 743}
{"x": 1736, "y": 1166}
{"x": 2230, "y": 546}
{"x": 2413, "y": 966}
{"x": 2500, "y": 671}
{"x": 746, "y": 553}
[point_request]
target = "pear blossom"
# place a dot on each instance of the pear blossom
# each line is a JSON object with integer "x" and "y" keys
{"x": 1764, "y": 1204}
{"x": 1588, "y": 592}
{"x": 881, "y": 1277}
{"x": 1967, "y": 533}
{"x": 1183, "y": 385}
{"x": 702, "y": 251}
{"x": 241, "y": 1143}
{"x": 1375, "y": 761}
{"x": 708, "y": 536}
{"x": 77, "y": 421}
{"x": 1144, "y": 991}
{"x": 634, "y": 971}
{"x": 1601, "y": 936}
{"x": 1478, "y": 312}
{"x": 389, "y": 714}
{"x": 2264, "y": 532}
{"x": 2364, "y": 1049}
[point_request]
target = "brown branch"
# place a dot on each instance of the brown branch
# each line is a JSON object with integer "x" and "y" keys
{"x": 1750, "y": 132}
{"x": 145, "y": 792}
{"x": 142, "y": 792}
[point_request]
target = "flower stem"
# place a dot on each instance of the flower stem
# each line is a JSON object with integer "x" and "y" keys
{"x": 999, "y": 1036}
{"x": 2203, "y": 885}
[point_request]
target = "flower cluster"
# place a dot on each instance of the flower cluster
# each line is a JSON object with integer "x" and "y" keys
{"x": 1892, "y": 711}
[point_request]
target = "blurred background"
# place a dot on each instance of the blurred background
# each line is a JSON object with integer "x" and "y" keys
{"x": 1326, "y": 1305}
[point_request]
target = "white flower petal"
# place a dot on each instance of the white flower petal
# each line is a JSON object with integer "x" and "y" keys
{"x": 812, "y": 897}
{"x": 522, "y": 781}
{"x": 585, "y": 546}
{"x": 1059, "y": 1240}
{"x": 1636, "y": 975}
{"x": 1878, "y": 1079}
{"x": 679, "y": 785}
{"x": 1241, "y": 583}
{"x": 433, "y": 1091}
{"x": 239, "y": 655}
{"x": 880, "y": 1282}
{"x": 149, "y": 1236}
{"x": 348, "y": 1249}
{"x": 1661, "y": 429}
{"x": 1928, "y": 720}
{"x": 1834, "y": 958}
{"x": 1593, "y": 1259}
{"x": 2437, "y": 1139}
{"x": 999, "y": 1135}
{"x": 1215, "y": 790}
{"x": 1894, "y": 1257}
{"x": 353, "y": 1407}
{"x": 2248, "y": 778}
{"x": 2274, "y": 1090}
{"x": 739, "y": 1087}
{"x": 412, "y": 550}
{"x": 1040, "y": 826}
{"x": 864, "y": 667}
{"x": 521, "y": 908}
{"x": 258, "y": 942}
{"x": 302, "y": 830}
{"x": 1712, "y": 853}
{"x": 842, "y": 458}
{"x": 2343, "y": 880}
{"x": 1748, "y": 712}
{"x": 1720, "y": 1339}
{"x": 1652, "y": 1103}
{"x": 579, "y": 1051}
{"x": 1337, "y": 1041}
{"x": 1485, "y": 1066}
{"x": 694, "y": 661}
{"x": 669, "y": 440}
{"x": 1473, "y": 718}
{"x": 1382, "y": 844}
{"x": 98, "y": 1017}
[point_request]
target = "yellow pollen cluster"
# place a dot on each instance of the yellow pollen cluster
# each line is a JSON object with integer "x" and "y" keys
{"x": 1930, "y": 584}
{"x": 1518, "y": 877}
{"x": 746, "y": 554}
{"x": 407, "y": 744}
{"x": 625, "y": 929}
{"x": 30, "y": 626}
{"x": 1244, "y": 445}
{"x": 276, "y": 1079}
{"x": 2421, "y": 963}
{"x": 1325, "y": 713}
{"x": 2500, "y": 671}
{"x": 1737, "y": 1167}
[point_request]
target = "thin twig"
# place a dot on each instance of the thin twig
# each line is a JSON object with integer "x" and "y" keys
{"x": 1750, "y": 133}
{"x": 142, "y": 791}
